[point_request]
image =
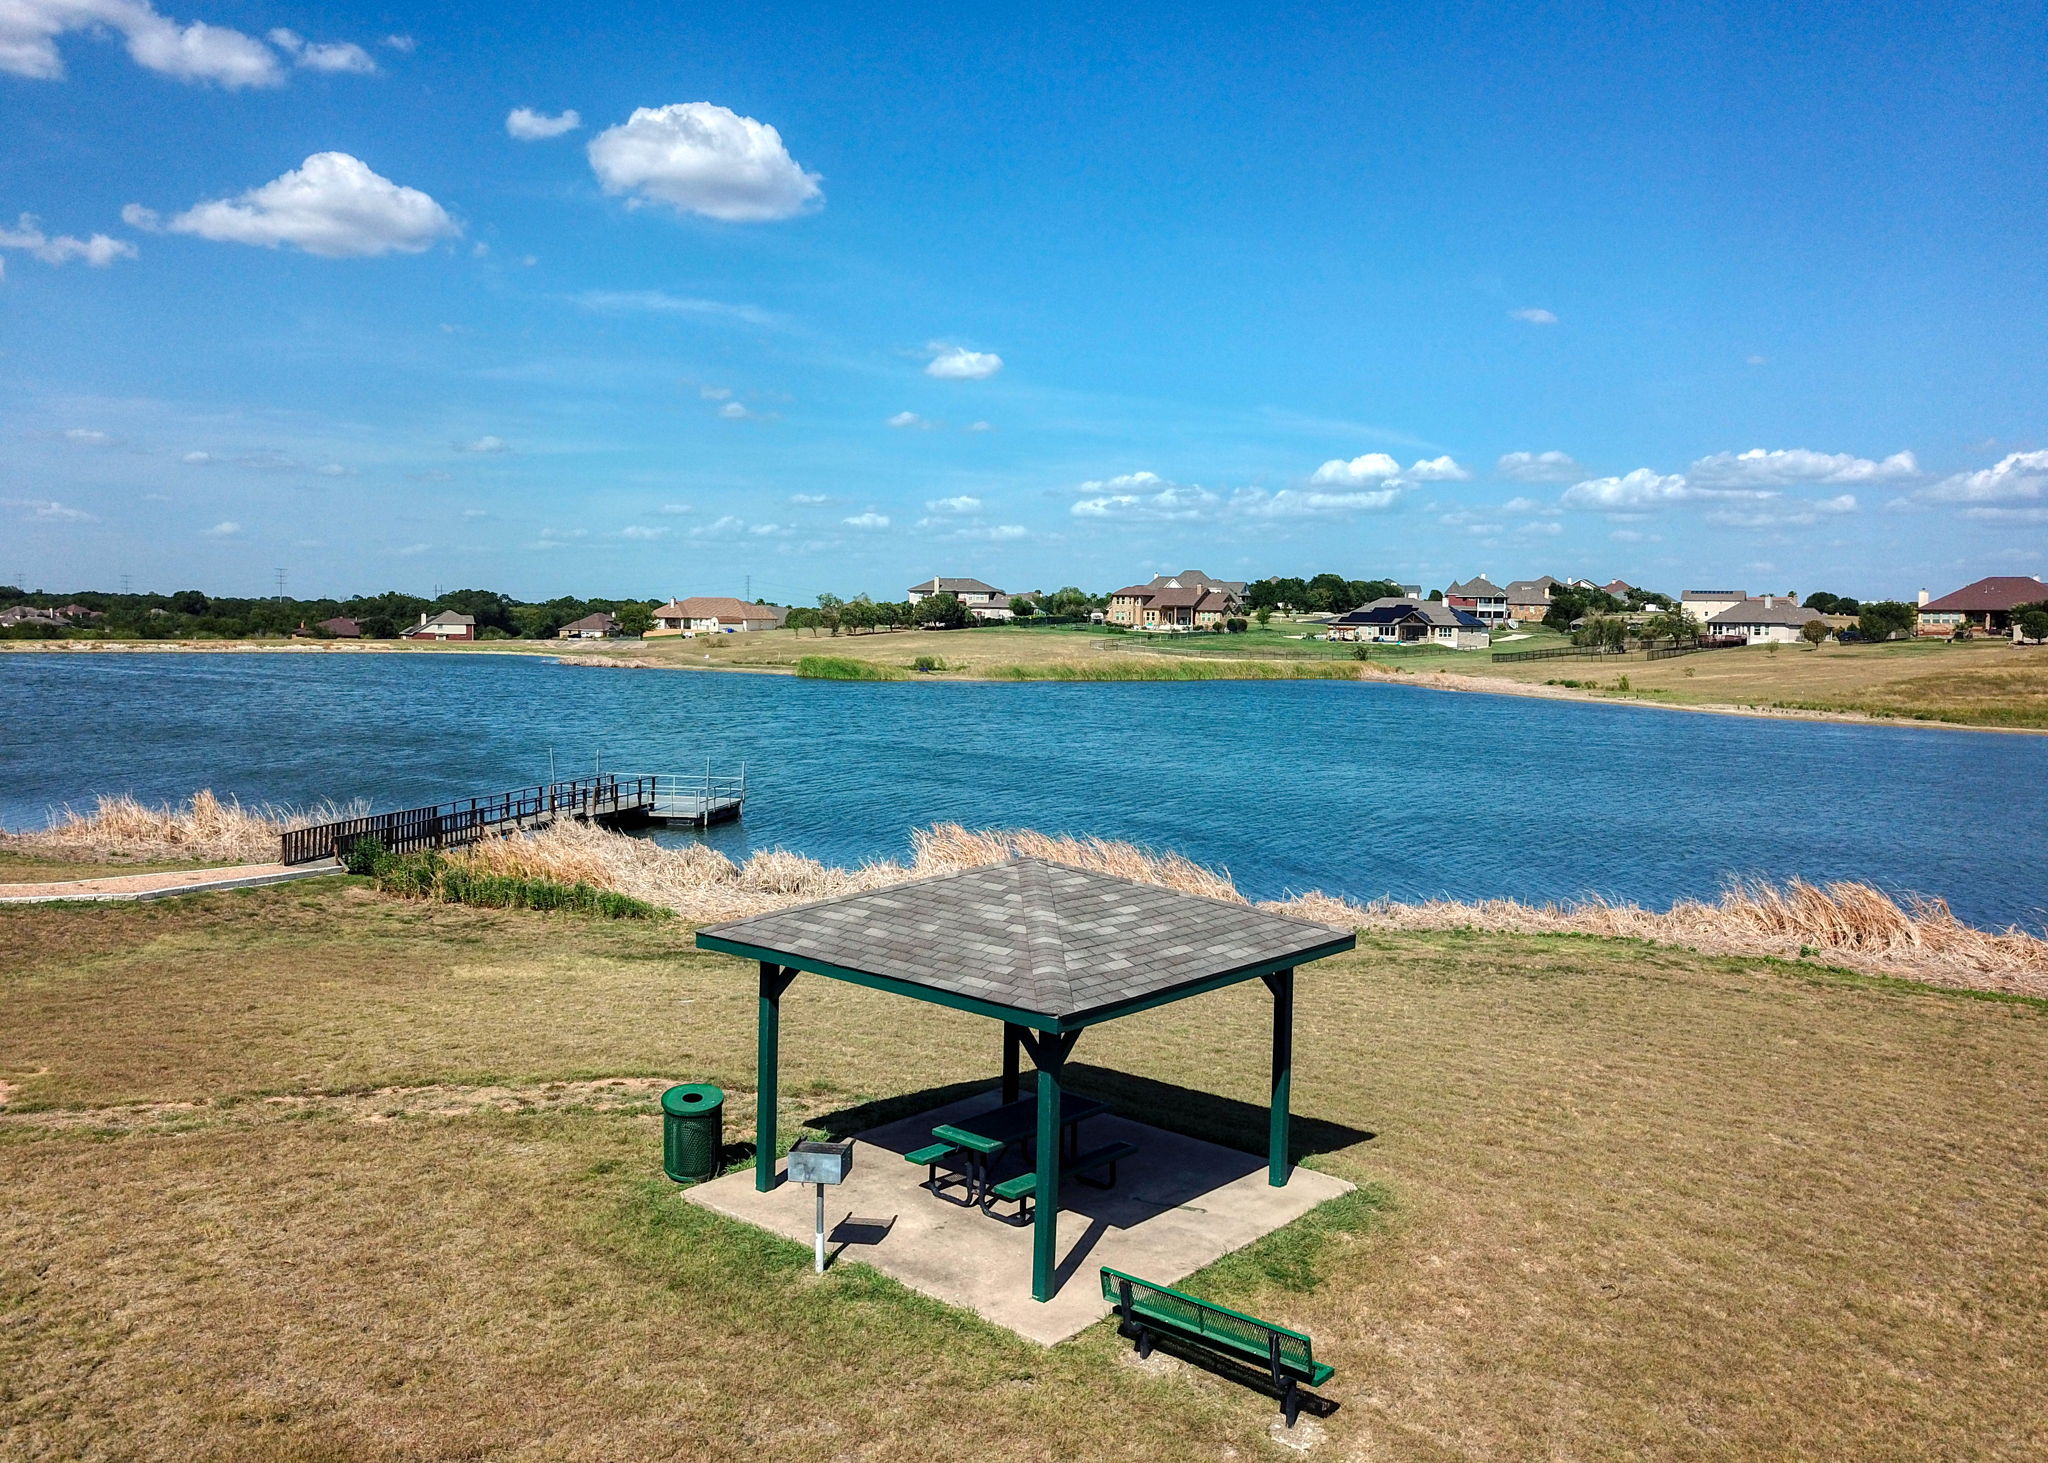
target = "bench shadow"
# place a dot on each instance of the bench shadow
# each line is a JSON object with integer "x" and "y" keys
{"x": 1313, "y": 1404}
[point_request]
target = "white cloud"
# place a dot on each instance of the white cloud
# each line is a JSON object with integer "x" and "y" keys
{"x": 1533, "y": 316}
{"x": 957, "y": 363}
{"x": 1295, "y": 503}
{"x": 98, "y": 251}
{"x": 404, "y": 45}
{"x": 196, "y": 52}
{"x": 1128, "y": 482}
{"x": 725, "y": 527}
{"x": 1753, "y": 360}
{"x": 1527, "y": 505}
{"x": 1635, "y": 536}
{"x": 867, "y": 520}
{"x": 530, "y": 126}
{"x": 88, "y": 437}
{"x": 1632, "y": 492}
{"x": 332, "y": 56}
{"x": 475, "y": 513}
{"x": 331, "y": 470}
{"x": 907, "y": 419}
{"x": 962, "y": 503}
{"x": 413, "y": 551}
{"x": 642, "y": 531}
{"x": 977, "y": 427}
{"x": 1543, "y": 527}
{"x": 1793, "y": 467}
{"x": 2007, "y": 515}
{"x": 484, "y": 444}
{"x": 1372, "y": 467}
{"x": 807, "y": 498}
{"x": 1783, "y": 513}
{"x": 772, "y": 530}
{"x": 1539, "y": 467}
{"x": 673, "y": 509}
{"x": 713, "y": 393}
{"x": 1159, "y": 500}
{"x": 226, "y": 528}
{"x": 701, "y": 158}
{"x": 196, "y": 459}
{"x": 1436, "y": 470}
{"x": 734, "y": 411}
{"x": 331, "y": 205}
{"x": 2018, "y": 477}
{"x": 980, "y": 532}
{"x": 47, "y": 510}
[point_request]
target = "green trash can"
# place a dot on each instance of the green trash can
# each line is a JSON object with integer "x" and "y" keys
{"x": 692, "y": 1131}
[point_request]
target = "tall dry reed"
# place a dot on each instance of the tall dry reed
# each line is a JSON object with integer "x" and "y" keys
{"x": 205, "y": 827}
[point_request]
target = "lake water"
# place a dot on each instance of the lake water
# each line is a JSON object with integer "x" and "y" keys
{"x": 1360, "y": 789}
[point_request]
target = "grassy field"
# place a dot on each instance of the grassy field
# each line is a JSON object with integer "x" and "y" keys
{"x": 306, "y": 1173}
{"x": 28, "y": 868}
{"x": 1978, "y": 683}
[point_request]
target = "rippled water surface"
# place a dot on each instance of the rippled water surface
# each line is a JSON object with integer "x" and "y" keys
{"x": 1361, "y": 789}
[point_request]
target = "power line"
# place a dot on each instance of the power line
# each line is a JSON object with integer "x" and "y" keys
{"x": 280, "y": 583}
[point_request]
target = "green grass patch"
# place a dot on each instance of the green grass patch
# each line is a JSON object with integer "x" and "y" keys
{"x": 1181, "y": 670}
{"x": 430, "y": 876}
{"x": 845, "y": 668}
{"x": 1297, "y": 1257}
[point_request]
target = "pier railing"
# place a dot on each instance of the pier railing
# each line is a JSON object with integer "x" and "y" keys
{"x": 602, "y": 795}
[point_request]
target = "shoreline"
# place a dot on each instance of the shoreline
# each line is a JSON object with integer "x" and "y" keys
{"x": 1428, "y": 680}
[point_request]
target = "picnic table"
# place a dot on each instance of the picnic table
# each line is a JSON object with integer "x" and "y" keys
{"x": 978, "y": 1142}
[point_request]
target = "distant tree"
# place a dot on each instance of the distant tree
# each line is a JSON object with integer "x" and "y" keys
{"x": 1236, "y": 625}
{"x": 2033, "y": 622}
{"x": 188, "y": 602}
{"x": 1023, "y": 606}
{"x": 1264, "y": 615}
{"x": 490, "y": 609}
{"x": 1847, "y": 606}
{"x": 635, "y": 617}
{"x": 1886, "y": 619}
{"x": 1649, "y": 599}
{"x": 1603, "y": 632}
{"x": 1672, "y": 624}
{"x": 1436, "y": 594}
{"x": 1567, "y": 605}
{"x": 1814, "y": 631}
{"x": 943, "y": 611}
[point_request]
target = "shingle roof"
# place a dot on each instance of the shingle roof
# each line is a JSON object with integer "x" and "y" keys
{"x": 1477, "y": 589}
{"x": 953, "y": 586}
{"x": 1780, "y": 611}
{"x": 1999, "y": 592}
{"x": 1693, "y": 595}
{"x": 447, "y": 617}
{"x": 1031, "y": 936}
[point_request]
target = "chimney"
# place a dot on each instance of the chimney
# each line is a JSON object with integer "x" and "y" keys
{"x": 1923, "y": 597}
{"x": 1770, "y": 600}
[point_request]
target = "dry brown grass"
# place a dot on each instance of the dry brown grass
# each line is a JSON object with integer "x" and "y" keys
{"x": 1848, "y": 924}
{"x": 205, "y": 827}
{"x": 1645, "y": 1204}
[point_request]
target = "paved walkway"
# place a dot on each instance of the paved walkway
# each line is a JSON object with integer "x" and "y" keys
{"x": 162, "y": 885}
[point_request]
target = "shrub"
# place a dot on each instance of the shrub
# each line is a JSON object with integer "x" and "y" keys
{"x": 926, "y": 664}
{"x": 431, "y": 876}
{"x": 1237, "y": 624}
{"x": 363, "y": 856}
{"x": 844, "y": 668}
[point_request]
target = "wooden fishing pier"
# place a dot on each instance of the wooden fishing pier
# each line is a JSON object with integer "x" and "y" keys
{"x": 611, "y": 799}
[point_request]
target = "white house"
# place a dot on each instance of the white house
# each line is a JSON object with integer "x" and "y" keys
{"x": 983, "y": 601}
{"x": 1765, "y": 619}
{"x": 1405, "y": 621}
{"x": 712, "y": 615}
{"x": 1704, "y": 604}
{"x": 445, "y": 626}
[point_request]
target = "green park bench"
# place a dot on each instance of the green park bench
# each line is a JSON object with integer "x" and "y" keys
{"x": 1021, "y": 1189}
{"x": 1145, "y": 1310}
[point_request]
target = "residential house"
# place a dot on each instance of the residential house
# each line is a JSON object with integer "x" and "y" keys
{"x": 447, "y": 625}
{"x": 1406, "y": 621}
{"x": 983, "y": 601}
{"x": 79, "y": 614}
{"x": 33, "y": 617}
{"x": 1619, "y": 588}
{"x": 596, "y": 626}
{"x": 1764, "y": 619}
{"x": 713, "y": 614}
{"x": 1529, "y": 599}
{"x": 338, "y": 628}
{"x": 1986, "y": 606}
{"x": 1189, "y": 600}
{"x": 1704, "y": 604}
{"x": 1481, "y": 598}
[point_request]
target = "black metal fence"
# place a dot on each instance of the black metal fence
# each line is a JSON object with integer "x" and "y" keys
{"x": 465, "y": 820}
{"x": 1649, "y": 649}
{"x": 1560, "y": 652}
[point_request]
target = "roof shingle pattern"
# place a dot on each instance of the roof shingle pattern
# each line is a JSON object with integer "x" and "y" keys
{"x": 1034, "y": 936}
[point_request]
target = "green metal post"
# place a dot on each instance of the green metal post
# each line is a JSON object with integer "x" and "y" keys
{"x": 768, "y": 1056}
{"x": 1049, "y": 1056}
{"x": 1281, "y": 983}
{"x": 1013, "y": 1041}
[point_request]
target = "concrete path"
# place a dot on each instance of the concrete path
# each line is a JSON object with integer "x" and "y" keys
{"x": 1179, "y": 1205}
{"x": 163, "y": 885}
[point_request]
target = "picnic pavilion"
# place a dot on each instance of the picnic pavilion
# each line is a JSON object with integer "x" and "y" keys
{"x": 1047, "y": 950}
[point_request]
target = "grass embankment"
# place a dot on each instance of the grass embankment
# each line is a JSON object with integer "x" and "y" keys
{"x": 312, "y": 1173}
{"x": 845, "y": 668}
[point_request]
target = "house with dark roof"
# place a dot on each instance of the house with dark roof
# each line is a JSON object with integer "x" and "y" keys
{"x": 1481, "y": 598}
{"x": 983, "y": 601}
{"x": 339, "y": 628}
{"x": 1402, "y": 621}
{"x": 1986, "y": 606}
{"x": 1529, "y": 599}
{"x": 1763, "y": 619}
{"x": 447, "y": 625}
{"x": 1189, "y": 600}
{"x": 597, "y": 626}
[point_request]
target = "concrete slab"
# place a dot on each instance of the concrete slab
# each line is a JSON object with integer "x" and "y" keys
{"x": 1180, "y": 1204}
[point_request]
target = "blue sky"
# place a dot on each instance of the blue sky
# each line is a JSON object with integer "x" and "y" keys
{"x": 839, "y": 297}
